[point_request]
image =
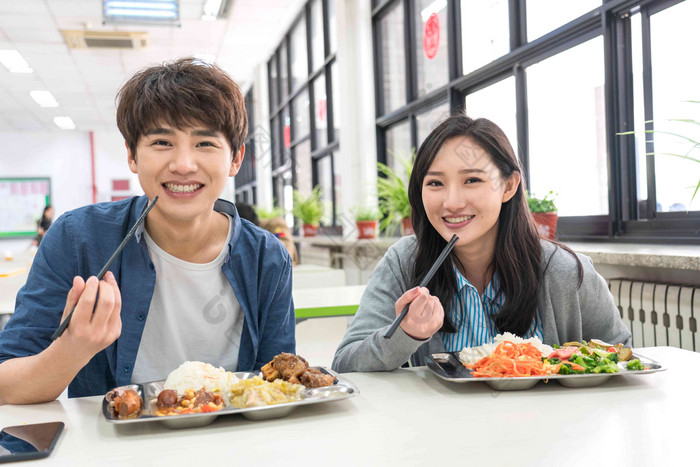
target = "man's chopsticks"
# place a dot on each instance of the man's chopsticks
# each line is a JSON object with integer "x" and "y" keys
{"x": 121, "y": 246}
{"x": 438, "y": 262}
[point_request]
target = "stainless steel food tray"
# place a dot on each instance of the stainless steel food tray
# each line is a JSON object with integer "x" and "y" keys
{"x": 341, "y": 389}
{"x": 448, "y": 367}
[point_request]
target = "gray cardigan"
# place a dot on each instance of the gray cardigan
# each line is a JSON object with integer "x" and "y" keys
{"x": 568, "y": 313}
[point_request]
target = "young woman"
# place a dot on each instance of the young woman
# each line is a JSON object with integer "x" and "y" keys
{"x": 500, "y": 277}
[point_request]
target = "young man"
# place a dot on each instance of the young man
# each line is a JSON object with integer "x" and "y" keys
{"x": 195, "y": 283}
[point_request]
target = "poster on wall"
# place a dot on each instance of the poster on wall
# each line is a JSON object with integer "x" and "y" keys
{"x": 22, "y": 202}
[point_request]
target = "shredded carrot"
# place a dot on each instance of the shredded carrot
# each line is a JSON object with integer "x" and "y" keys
{"x": 508, "y": 360}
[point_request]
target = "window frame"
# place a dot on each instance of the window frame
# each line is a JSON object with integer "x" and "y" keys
{"x": 611, "y": 22}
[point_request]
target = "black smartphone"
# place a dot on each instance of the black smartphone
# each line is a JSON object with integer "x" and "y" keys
{"x": 24, "y": 442}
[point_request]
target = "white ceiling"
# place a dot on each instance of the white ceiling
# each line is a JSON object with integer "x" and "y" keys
{"x": 85, "y": 81}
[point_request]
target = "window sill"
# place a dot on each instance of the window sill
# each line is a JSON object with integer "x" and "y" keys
{"x": 683, "y": 257}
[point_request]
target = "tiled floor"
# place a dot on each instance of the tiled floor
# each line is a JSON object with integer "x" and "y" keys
{"x": 318, "y": 338}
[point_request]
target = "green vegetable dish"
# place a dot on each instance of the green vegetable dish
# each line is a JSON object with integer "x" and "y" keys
{"x": 578, "y": 358}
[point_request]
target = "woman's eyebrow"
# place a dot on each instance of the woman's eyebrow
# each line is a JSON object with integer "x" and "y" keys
{"x": 463, "y": 171}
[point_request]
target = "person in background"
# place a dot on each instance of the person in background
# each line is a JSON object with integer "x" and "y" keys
{"x": 247, "y": 212}
{"x": 500, "y": 276}
{"x": 194, "y": 283}
{"x": 278, "y": 226}
{"x": 44, "y": 223}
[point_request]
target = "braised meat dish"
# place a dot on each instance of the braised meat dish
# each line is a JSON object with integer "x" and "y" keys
{"x": 295, "y": 369}
{"x": 192, "y": 401}
{"x": 125, "y": 402}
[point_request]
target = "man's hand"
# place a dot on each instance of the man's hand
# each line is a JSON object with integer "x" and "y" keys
{"x": 88, "y": 333}
{"x": 425, "y": 315}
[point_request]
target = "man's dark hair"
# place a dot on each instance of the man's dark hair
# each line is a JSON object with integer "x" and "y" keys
{"x": 183, "y": 93}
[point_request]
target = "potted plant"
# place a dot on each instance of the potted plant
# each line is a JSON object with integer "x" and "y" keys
{"x": 544, "y": 211}
{"x": 309, "y": 209}
{"x": 392, "y": 191}
{"x": 366, "y": 220}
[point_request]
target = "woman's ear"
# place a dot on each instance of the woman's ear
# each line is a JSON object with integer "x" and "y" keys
{"x": 237, "y": 161}
{"x": 131, "y": 159}
{"x": 511, "y": 185}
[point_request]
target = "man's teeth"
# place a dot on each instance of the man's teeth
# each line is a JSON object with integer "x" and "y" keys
{"x": 182, "y": 188}
{"x": 457, "y": 220}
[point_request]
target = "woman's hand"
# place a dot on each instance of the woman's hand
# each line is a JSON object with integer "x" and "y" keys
{"x": 425, "y": 315}
{"x": 88, "y": 333}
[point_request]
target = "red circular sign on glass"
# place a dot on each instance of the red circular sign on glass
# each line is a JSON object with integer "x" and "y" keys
{"x": 431, "y": 36}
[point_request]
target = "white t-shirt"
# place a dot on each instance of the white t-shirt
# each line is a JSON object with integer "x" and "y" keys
{"x": 194, "y": 315}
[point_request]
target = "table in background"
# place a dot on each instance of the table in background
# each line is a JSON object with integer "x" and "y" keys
{"x": 327, "y": 301}
{"x": 13, "y": 275}
{"x": 409, "y": 417}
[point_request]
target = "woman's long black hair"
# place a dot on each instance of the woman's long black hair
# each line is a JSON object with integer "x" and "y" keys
{"x": 518, "y": 254}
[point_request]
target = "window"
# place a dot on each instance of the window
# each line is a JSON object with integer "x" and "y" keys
{"x": 245, "y": 180}
{"x": 496, "y": 102}
{"x": 484, "y": 32}
{"x": 303, "y": 122}
{"x": 544, "y": 16}
{"x": 430, "y": 47}
{"x": 673, "y": 85}
{"x": 574, "y": 85}
{"x": 393, "y": 59}
{"x": 427, "y": 121}
{"x": 398, "y": 144}
{"x": 566, "y": 114}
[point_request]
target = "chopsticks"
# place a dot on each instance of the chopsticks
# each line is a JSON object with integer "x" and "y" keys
{"x": 423, "y": 283}
{"x": 62, "y": 327}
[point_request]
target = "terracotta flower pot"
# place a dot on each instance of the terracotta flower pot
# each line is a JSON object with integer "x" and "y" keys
{"x": 310, "y": 230}
{"x": 546, "y": 224}
{"x": 407, "y": 226}
{"x": 366, "y": 229}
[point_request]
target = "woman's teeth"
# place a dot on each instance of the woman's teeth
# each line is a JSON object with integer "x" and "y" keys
{"x": 457, "y": 220}
{"x": 182, "y": 188}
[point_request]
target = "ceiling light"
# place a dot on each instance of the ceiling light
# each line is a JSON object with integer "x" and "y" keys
{"x": 44, "y": 98}
{"x": 14, "y": 62}
{"x": 211, "y": 10}
{"x": 216, "y": 9}
{"x": 141, "y": 11}
{"x": 64, "y": 123}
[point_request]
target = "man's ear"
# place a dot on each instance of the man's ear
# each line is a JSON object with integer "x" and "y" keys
{"x": 237, "y": 161}
{"x": 511, "y": 184}
{"x": 130, "y": 158}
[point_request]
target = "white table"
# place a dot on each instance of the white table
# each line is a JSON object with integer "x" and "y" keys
{"x": 327, "y": 301}
{"x": 409, "y": 417}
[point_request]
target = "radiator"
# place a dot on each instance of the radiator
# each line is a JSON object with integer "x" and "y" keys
{"x": 658, "y": 314}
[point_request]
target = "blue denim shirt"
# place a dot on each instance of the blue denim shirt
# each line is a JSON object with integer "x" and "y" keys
{"x": 80, "y": 242}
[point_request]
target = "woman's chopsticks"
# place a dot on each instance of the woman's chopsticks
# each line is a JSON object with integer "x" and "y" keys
{"x": 62, "y": 327}
{"x": 438, "y": 262}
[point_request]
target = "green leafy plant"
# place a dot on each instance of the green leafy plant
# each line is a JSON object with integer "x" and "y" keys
{"x": 392, "y": 191}
{"x": 545, "y": 204}
{"x": 268, "y": 214}
{"x": 693, "y": 145}
{"x": 366, "y": 214}
{"x": 310, "y": 208}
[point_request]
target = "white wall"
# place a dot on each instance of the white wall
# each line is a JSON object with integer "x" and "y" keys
{"x": 64, "y": 156}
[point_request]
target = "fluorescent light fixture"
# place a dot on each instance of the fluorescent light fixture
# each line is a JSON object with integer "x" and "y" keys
{"x": 211, "y": 10}
{"x": 14, "y": 61}
{"x": 434, "y": 7}
{"x": 141, "y": 11}
{"x": 64, "y": 123}
{"x": 44, "y": 98}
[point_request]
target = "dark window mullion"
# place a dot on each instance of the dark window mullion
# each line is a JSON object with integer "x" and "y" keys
{"x": 454, "y": 40}
{"x": 409, "y": 41}
{"x": 648, "y": 112}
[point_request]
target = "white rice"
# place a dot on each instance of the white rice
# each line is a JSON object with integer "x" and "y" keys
{"x": 198, "y": 375}
{"x": 474, "y": 354}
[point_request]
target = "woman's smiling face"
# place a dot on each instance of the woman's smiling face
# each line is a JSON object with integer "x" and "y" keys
{"x": 463, "y": 191}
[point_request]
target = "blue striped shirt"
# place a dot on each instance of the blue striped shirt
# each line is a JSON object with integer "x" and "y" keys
{"x": 473, "y": 315}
